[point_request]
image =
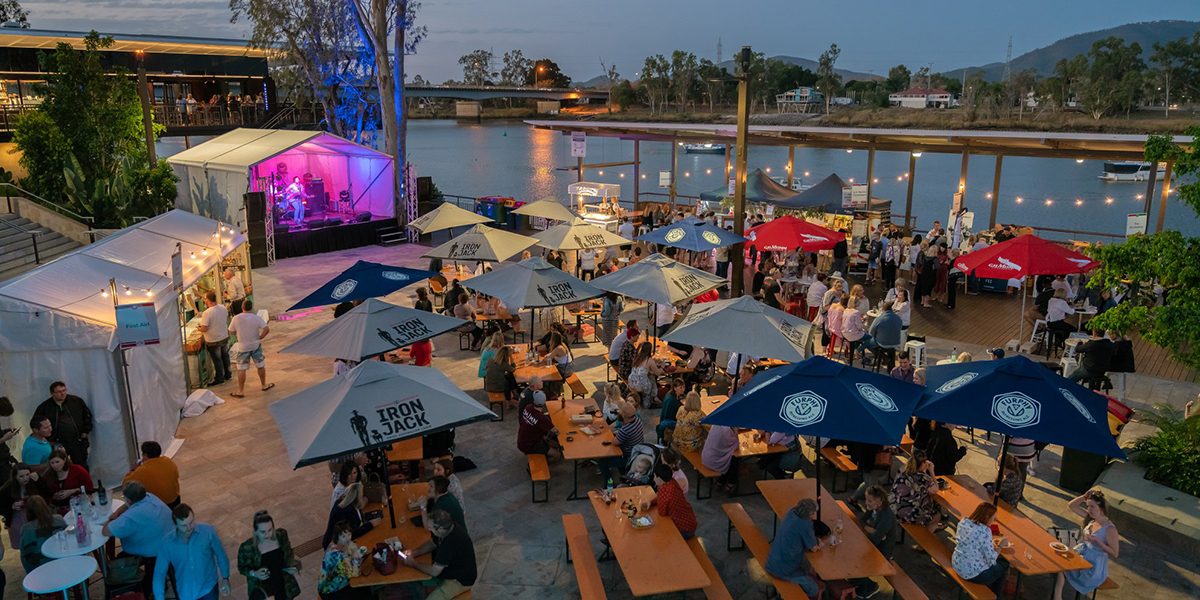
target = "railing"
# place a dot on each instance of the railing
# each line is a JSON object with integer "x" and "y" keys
{"x": 36, "y": 199}
{"x": 1073, "y": 233}
{"x": 33, "y": 236}
{"x": 463, "y": 202}
{"x": 180, "y": 116}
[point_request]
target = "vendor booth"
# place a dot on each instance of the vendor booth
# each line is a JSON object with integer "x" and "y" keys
{"x": 597, "y": 203}
{"x": 306, "y": 182}
{"x": 57, "y": 323}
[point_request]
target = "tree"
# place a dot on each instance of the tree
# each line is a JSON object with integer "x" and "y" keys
{"x": 90, "y": 123}
{"x": 711, "y": 77}
{"x": 1112, "y": 83}
{"x": 1170, "y": 58}
{"x": 477, "y": 67}
{"x": 613, "y": 77}
{"x": 1021, "y": 85}
{"x": 683, "y": 76}
{"x": 516, "y": 68}
{"x": 10, "y": 10}
{"x": 548, "y": 74}
{"x": 375, "y": 22}
{"x": 828, "y": 80}
{"x": 656, "y": 79}
{"x": 898, "y": 79}
{"x": 623, "y": 95}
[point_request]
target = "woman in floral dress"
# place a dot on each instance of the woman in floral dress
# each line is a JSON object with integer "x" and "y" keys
{"x": 912, "y": 493}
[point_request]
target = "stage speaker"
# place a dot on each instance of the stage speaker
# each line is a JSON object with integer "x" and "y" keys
{"x": 256, "y": 206}
{"x": 332, "y": 221}
{"x": 424, "y": 189}
{"x": 316, "y": 191}
{"x": 362, "y": 217}
{"x": 256, "y": 227}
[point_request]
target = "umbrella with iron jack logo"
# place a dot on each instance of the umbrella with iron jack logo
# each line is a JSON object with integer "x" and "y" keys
{"x": 371, "y": 329}
{"x": 578, "y": 234}
{"x": 446, "y": 216}
{"x": 482, "y": 243}
{"x": 659, "y": 280}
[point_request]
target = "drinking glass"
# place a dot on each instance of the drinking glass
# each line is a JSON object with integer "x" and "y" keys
{"x": 1028, "y": 554}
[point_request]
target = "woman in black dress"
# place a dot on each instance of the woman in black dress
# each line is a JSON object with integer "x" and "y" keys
{"x": 267, "y": 560}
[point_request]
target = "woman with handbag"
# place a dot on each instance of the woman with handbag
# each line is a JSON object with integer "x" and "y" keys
{"x": 13, "y": 495}
{"x": 267, "y": 560}
{"x": 342, "y": 562}
{"x": 349, "y": 510}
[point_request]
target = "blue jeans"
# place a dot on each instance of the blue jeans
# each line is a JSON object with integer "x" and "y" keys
{"x": 298, "y": 211}
{"x": 212, "y": 594}
{"x": 723, "y": 268}
{"x": 993, "y": 576}
{"x": 805, "y": 582}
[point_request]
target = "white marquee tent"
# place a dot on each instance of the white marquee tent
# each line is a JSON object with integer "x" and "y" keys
{"x": 214, "y": 175}
{"x": 56, "y": 325}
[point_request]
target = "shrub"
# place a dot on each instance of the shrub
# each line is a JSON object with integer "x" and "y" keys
{"x": 1171, "y": 455}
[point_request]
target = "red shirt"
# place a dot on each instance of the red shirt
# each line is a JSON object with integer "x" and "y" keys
{"x": 533, "y": 427}
{"x": 709, "y": 296}
{"x": 421, "y": 353}
{"x": 673, "y": 503}
{"x": 77, "y": 477}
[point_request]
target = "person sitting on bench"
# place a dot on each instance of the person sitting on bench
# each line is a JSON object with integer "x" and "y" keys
{"x": 1097, "y": 357}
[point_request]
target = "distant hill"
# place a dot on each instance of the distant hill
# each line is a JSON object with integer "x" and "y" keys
{"x": 597, "y": 82}
{"x": 1042, "y": 60}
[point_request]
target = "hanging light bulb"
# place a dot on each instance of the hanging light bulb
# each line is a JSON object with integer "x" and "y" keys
{"x": 149, "y": 293}
{"x": 216, "y": 235}
{"x": 806, "y": 173}
{"x": 916, "y": 155}
{"x": 1108, "y": 200}
{"x": 1138, "y": 197}
{"x": 875, "y": 180}
{"x": 1049, "y": 202}
{"x": 193, "y": 255}
{"x": 851, "y": 180}
{"x": 1020, "y": 199}
{"x": 708, "y": 171}
{"x": 989, "y": 195}
{"x": 1079, "y": 160}
{"x": 1079, "y": 202}
{"x": 128, "y": 292}
{"x": 768, "y": 169}
{"x": 103, "y": 293}
{"x": 687, "y": 174}
{"x": 849, "y": 150}
{"x": 622, "y": 175}
{"x": 204, "y": 251}
{"x": 899, "y": 178}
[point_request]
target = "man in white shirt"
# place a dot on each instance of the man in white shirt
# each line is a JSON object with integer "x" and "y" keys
{"x": 235, "y": 291}
{"x": 664, "y": 317}
{"x": 614, "y": 349}
{"x": 816, "y": 292}
{"x": 1060, "y": 283}
{"x": 250, "y": 330}
{"x": 625, "y": 230}
{"x": 214, "y": 325}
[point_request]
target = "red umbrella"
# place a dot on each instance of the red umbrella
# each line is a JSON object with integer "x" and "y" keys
{"x": 1025, "y": 255}
{"x": 788, "y": 233}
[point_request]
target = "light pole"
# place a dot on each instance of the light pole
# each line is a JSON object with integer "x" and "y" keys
{"x": 739, "y": 173}
{"x": 535, "y": 74}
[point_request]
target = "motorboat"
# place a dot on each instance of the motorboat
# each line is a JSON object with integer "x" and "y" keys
{"x": 1129, "y": 171}
{"x": 704, "y": 148}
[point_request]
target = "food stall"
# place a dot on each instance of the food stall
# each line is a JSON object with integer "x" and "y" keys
{"x": 597, "y": 203}
{"x": 192, "y": 306}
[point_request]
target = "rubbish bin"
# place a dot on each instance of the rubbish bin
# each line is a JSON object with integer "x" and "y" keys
{"x": 1080, "y": 469}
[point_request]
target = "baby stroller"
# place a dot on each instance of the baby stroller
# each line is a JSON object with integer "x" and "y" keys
{"x": 639, "y": 469}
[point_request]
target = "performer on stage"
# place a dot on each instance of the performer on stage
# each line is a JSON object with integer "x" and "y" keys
{"x": 295, "y": 200}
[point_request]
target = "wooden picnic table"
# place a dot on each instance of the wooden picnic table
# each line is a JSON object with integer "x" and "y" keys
{"x": 581, "y": 446}
{"x": 410, "y": 449}
{"x": 410, "y": 536}
{"x": 747, "y": 444}
{"x": 854, "y": 557}
{"x": 654, "y": 559}
{"x": 450, "y": 272}
{"x": 1030, "y": 552}
{"x": 593, "y": 313}
{"x": 546, "y": 373}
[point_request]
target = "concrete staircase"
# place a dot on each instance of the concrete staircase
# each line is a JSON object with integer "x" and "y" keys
{"x": 16, "y": 247}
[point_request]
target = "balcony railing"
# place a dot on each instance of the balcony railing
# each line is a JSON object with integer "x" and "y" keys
{"x": 178, "y": 116}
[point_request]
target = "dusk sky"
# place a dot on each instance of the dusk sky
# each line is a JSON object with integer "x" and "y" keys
{"x": 874, "y": 34}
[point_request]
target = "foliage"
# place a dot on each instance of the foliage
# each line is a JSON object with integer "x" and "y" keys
{"x": 1171, "y": 456}
{"x": 548, "y": 74}
{"x": 477, "y": 67}
{"x": 1113, "y": 80}
{"x": 120, "y": 195}
{"x": 623, "y": 95}
{"x": 1166, "y": 259}
{"x": 516, "y": 68}
{"x": 10, "y": 10}
{"x": 97, "y": 119}
{"x": 683, "y": 77}
{"x": 898, "y": 79}
{"x": 828, "y": 81}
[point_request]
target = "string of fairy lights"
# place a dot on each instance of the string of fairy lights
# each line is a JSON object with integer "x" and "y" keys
{"x": 129, "y": 291}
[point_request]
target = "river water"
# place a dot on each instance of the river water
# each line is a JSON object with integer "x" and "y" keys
{"x": 509, "y": 158}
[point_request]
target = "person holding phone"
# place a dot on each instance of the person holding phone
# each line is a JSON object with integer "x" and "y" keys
{"x": 267, "y": 560}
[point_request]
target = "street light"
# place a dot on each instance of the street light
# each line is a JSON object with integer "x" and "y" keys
{"x": 540, "y": 69}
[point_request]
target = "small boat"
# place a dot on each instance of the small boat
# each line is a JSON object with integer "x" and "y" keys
{"x": 1129, "y": 171}
{"x": 704, "y": 148}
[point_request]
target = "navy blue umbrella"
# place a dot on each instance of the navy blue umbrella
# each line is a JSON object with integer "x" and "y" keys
{"x": 1017, "y": 397}
{"x": 825, "y": 399}
{"x": 361, "y": 281}
{"x": 692, "y": 234}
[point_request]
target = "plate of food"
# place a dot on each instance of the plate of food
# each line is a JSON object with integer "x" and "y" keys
{"x": 641, "y": 522}
{"x": 1002, "y": 544}
{"x": 1059, "y": 547}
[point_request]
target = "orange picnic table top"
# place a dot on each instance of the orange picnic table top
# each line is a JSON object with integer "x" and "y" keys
{"x": 410, "y": 536}
{"x": 747, "y": 444}
{"x": 410, "y": 449}
{"x": 855, "y": 556}
{"x": 655, "y": 559}
{"x": 1030, "y": 552}
{"x": 582, "y": 446}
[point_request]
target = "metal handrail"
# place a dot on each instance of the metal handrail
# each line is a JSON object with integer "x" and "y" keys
{"x": 33, "y": 236}
{"x": 48, "y": 204}
{"x": 278, "y": 117}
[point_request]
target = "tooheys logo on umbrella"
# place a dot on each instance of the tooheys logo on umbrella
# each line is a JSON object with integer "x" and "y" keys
{"x": 956, "y": 383}
{"x": 557, "y": 293}
{"x": 689, "y": 284}
{"x": 1016, "y": 410}
{"x": 674, "y": 235}
{"x": 1004, "y": 263}
{"x": 803, "y": 409}
{"x": 390, "y": 420}
{"x": 590, "y": 240}
{"x": 343, "y": 289}
{"x": 405, "y": 332}
{"x": 1077, "y": 404}
{"x": 465, "y": 250}
{"x": 876, "y": 397}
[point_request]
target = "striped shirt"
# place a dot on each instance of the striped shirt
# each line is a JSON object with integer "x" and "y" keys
{"x": 630, "y": 434}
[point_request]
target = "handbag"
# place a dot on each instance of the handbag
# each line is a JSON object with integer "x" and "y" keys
{"x": 386, "y": 565}
{"x": 374, "y": 489}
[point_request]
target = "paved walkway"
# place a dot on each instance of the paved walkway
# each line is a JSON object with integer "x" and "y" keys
{"x": 233, "y": 463}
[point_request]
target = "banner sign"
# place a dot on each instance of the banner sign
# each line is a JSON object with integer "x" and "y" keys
{"x": 578, "y": 144}
{"x": 664, "y": 179}
{"x": 1135, "y": 223}
{"x": 137, "y": 325}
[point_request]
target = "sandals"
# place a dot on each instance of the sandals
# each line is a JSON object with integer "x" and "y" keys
{"x": 269, "y": 386}
{"x": 237, "y": 395}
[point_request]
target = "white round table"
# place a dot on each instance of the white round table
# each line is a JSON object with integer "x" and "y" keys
{"x": 61, "y": 575}
{"x": 96, "y": 538}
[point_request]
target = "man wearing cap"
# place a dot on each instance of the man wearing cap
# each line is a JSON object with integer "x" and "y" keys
{"x": 996, "y": 353}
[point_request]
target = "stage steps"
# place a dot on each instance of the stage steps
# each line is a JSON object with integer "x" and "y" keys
{"x": 388, "y": 236}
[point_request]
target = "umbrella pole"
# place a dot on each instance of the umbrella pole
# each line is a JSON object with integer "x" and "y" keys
{"x": 387, "y": 482}
{"x": 817, "y": 468}
{"x": 1000, "y": 471}
{"x": 1021, "y": 317}
{"x": 737, "y": 372}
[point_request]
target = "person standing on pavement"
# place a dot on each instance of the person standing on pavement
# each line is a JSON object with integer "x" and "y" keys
{"x": 70, "y": 421}
{"x": 235, "y": 291}
{"x": 250, "y": 330}
{"x": 194, "y": 550}
{"x": 157, "y": 473}
{"x": 214, "y": 324}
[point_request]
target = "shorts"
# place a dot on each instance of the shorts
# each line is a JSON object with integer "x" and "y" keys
{"x": 872, "y": 264}
{"x": 243, "y": 359}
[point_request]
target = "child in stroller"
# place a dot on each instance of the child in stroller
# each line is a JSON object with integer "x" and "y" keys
{"x": 640, "y": 467}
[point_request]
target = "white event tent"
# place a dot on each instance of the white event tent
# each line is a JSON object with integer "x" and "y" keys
{"x": 56, "y": 325}
{"x": 214, "y": 176}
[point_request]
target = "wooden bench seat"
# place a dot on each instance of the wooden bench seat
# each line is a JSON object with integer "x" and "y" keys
{"x": 903, "y": 586}
{"x": 1107, "y": 585}
{"x": 580, "y": 554}
{"x": 497, "y": 398}
{"x": 841, "y": 463}
{"x": 753, "y": 539}
{"x": 539, "y": 473}
{"x": 578, "y": 389}
{"x": 941, "y": 553}
{"x": 715, "y": 590}
{"x": 702, "y": 473}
